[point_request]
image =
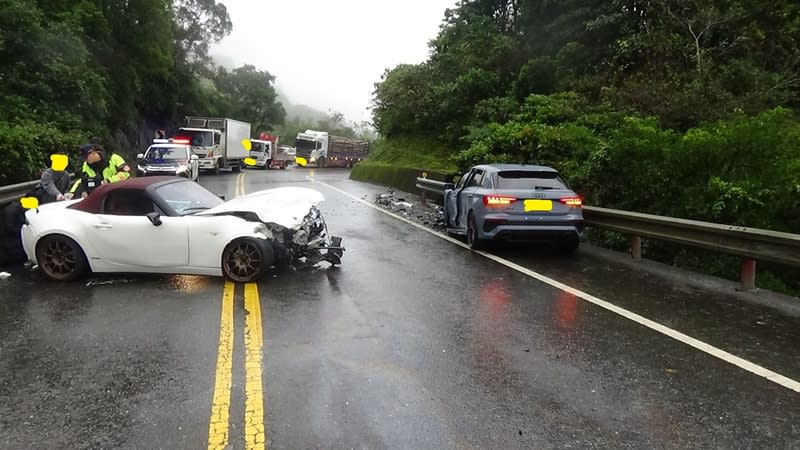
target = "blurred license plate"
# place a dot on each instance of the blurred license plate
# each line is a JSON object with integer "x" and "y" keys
{"x": 538, "y": 205}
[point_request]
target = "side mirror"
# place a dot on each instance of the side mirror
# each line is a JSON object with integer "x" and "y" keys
{"x": 155, "y": 219}
{"x": 140, "y": 156}
{"x": 194, "y": 157}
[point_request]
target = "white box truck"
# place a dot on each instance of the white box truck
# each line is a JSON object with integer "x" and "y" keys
{"x": 217, "y": 141}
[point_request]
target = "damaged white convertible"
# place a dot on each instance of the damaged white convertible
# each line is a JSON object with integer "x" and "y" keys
{"x": 173, "y": 225}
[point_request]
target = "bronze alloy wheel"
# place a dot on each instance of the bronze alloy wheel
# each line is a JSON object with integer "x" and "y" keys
{"x": 245, "y": 260}
{"x": 61, "y": 258}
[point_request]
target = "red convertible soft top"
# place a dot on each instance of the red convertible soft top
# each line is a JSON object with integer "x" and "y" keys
{"x": 93, "y": 203}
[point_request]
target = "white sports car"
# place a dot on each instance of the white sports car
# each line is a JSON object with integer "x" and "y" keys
{"x": 173, "y": 225}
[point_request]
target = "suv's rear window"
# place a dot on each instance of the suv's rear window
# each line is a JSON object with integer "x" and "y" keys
{"x": 524, "y": 179}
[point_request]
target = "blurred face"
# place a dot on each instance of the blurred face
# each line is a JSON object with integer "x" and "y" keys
{"x": 59, "y": 162}
{"x": 92, "y": 157}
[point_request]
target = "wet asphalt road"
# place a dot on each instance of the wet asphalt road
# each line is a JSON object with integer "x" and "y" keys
{"x": 413, "y": 342}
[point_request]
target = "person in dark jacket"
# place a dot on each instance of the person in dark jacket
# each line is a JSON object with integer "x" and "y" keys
{"x": 54, "y": 182}
{"x": 53, "y": 185}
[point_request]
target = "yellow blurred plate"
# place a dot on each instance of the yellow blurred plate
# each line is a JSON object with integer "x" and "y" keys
{"x": 538, "y": 205}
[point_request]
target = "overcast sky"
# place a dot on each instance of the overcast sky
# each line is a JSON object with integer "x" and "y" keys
{"x": 328, "y": 54}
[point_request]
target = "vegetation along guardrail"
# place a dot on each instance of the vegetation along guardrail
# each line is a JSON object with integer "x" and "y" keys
{"x": 749, "y": 243}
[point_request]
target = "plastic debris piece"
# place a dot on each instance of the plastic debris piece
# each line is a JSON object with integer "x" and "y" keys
{"x": 99, "y": 283}
{"x": 4, "y": 275}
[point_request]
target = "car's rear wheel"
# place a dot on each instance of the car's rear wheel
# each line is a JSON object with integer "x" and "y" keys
{"x": 473, "y": 239}
{"x": 61, "y": 258}
{"x": 568, "y": 245}
{"x": 246, "y": 260}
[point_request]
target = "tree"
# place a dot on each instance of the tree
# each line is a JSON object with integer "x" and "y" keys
{"x": 252, "y": 96}
{"x": 197, "y": 24}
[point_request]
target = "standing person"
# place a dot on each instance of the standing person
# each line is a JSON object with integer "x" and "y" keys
{"x": 52, "y": 187}
{"x": 99, "y": 169}
{"x": 55, "y": 180}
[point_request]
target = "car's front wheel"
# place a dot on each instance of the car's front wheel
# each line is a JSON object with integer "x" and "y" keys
{"x": 245, "y": 260}
{"x": 61, "y": 258}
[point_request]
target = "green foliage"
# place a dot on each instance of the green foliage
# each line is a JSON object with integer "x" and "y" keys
{"x": 251, "y": 96}
{"x": 402, "y": 178}
{"x": 26, "y": 149}
{"x": 413, "y": 153}
{"x": 682, "y": 108}
{"x": 116, "y": 69}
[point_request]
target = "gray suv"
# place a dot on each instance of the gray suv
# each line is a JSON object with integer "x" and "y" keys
{"x": 514, "y": 202}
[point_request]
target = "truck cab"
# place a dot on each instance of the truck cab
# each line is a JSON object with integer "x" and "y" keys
{"x": 218, "y": 141}
{"x": 205, "y": 143}
{"x": 313, "y": 146}
{"x": 268, "y": 154}
{"x": 261, "y": 152}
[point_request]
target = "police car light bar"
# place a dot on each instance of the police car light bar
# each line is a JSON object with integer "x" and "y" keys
{"x": 161, "y": 141}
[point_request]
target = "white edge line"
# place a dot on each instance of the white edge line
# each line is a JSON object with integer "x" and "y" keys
{"x": 677, "y": 335}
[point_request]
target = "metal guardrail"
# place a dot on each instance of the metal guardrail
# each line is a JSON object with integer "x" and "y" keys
{"x": 754, "y": 243}
{"x": 14, "y": 192}
{"x": 749, "y": 243}
{"x": 428, "y": 185}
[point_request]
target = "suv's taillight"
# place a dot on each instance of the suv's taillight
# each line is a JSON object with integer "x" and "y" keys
{"x": 498, "y": 200}
{"x": 574, "y": 202}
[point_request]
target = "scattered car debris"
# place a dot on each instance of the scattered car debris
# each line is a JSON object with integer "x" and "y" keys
{"x": 428, "y": 214}
{"x": 100, "y": 283}
{"x": 402, "y": 205}
{"x": 4, "y": 275}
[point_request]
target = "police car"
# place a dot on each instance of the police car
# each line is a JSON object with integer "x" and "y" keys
{"x": 169, "y": 157}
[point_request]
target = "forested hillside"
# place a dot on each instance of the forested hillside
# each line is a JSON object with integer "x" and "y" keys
{"x": 116, "y": 69}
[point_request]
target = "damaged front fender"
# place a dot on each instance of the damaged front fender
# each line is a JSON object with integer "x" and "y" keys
{"x": 308, "y": 244}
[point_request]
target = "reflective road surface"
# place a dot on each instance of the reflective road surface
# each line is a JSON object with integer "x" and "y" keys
{"x": 413, "y": 342}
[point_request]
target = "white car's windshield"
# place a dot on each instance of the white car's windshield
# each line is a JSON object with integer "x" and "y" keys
{"x": 188, "y": 197}
{"x": 166, "y": 154}
{"x": 197, "y": 138}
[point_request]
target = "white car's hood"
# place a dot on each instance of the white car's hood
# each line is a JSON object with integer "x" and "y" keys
{"x": 285, "y": 206}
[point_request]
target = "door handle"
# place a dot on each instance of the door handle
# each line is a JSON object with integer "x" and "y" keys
{"x": 102, "y": 226}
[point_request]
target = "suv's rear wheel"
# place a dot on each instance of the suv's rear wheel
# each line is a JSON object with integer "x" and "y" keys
{"x": 61, "y": 258}
{"x": 569, "y": 245}
{"x": 473, "y": 239}
{"x": 245, "y": 260}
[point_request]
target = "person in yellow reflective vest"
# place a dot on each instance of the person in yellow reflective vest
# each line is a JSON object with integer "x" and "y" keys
{"x": 98, "y": 169}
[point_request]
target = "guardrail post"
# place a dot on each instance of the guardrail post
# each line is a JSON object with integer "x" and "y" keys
{"x": 636, "y": 247}
{"x": 748, "y": 275}
{"x": 424, "y": 193}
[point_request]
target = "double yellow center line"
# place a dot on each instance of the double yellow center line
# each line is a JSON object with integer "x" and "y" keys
{"x": 219, "y": 425}
{"x": 240, "y": 184}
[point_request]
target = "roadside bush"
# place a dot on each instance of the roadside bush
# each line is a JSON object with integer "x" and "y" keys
{"x": 26, "y": 149}
{"x": 744, "y": 170}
